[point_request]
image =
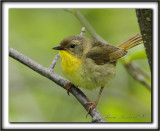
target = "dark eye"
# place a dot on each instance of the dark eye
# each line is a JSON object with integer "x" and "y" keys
{"x": 72, "y": 45}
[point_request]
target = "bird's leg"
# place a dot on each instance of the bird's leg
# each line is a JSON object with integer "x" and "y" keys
{"x": 93, "y": 104}
{"x": 68, "y": 85}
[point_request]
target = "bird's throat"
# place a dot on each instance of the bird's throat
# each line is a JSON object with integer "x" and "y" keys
{"x": 70, "y": 63}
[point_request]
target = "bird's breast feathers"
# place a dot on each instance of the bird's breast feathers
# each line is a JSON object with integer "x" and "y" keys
{"x": 85, "y": 74}
{"x": 70, "y": 64}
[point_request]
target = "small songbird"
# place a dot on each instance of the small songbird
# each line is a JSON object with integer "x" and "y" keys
{"x": 89, "y": 63}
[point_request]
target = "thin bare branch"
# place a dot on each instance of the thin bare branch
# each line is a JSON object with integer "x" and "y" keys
{"x": 54, "y": 61}
{"x": 90, "y": 29}
{"x": 50, "y": 74}
{"x": 132, "y": 70}
{"x": 140, "y": 70}
{"x": 93, "y": 33}
{"x": 82, "y": 31}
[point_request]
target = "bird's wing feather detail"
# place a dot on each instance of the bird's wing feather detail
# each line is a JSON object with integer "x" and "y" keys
{"x": 117, "y": 55}
{"x": 102, "y": 53}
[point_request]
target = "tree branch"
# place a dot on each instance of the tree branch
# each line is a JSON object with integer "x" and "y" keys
{"x": 135, "y": 71}
{"x": 145, "y": 23}
{"x": 82, "y": 31}
{"x": 54, "y": 61}
{"x": 90, "y": 29}
{"x": 129, "y": 67}
{"x": 50, "y": 74}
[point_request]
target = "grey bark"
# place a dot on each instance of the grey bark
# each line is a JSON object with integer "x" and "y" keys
{"x": 50, "y": 74}
{"x": 145, "y": 22}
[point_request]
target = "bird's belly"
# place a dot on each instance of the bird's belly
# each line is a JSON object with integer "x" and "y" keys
{"x": 96, "y": 76}
{"x": 84, "y": 74}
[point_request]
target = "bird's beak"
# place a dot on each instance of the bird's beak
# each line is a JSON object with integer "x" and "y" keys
{"x": 59, "y": 47}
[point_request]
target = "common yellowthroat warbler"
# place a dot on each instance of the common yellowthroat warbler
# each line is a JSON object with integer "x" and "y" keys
{"x": 89, "y": 63}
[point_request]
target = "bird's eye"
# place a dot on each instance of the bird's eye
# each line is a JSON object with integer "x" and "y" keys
{"x": 72, "y": 45}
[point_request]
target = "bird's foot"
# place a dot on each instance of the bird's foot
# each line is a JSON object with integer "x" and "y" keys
{"x": 68, "y": 85}
{"x": 91, "y": 107}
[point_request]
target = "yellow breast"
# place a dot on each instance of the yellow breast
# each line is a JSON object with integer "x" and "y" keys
{"x": 85, "y": 74}
{"x": 70, "y": 64}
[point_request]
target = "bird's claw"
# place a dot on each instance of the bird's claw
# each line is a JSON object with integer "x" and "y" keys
{"x": 68, "y": 85}
{"x": 91, "y": 107}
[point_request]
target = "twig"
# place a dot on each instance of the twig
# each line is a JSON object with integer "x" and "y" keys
{"x": 57, "y": 56}
{"x": 132, "y": 70}
{"x": 140, "y": 70}
{"x": 93, "y": 33}
{"x": 54, "y": 61}
{"x": 82, "y": 31}
{"x": 82, "y": 19}
{"x": 50, "y": 74}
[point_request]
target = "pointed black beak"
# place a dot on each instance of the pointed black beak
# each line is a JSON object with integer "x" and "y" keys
{"x": 59, "y": 47}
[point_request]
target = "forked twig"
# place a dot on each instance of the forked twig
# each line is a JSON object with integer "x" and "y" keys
{"x": 54, "y": 61}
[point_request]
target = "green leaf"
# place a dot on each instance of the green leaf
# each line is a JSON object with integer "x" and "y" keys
{"x": 136, "y": 55}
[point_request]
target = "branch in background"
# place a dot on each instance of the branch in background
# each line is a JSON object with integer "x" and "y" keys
{"x": 130, "y": 67}
{"x": 145, "y": 23}
{"x": 50, "y": 74}
{"x": 135, "y": 71}
{"x": 140, "y": 70}
{"x": 82, "y": 19}
{"x": 57, "y": 56}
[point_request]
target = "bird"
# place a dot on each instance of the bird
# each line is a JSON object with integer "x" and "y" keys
{"x": 89, "y": 63}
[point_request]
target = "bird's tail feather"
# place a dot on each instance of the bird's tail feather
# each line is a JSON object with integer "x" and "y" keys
{"x": 131, "y": 42}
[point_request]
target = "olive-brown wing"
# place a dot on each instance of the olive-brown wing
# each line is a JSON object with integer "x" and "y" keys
{"x": 103, "y": 53}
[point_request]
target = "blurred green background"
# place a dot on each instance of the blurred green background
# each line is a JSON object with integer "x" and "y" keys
{"x": 34, "y": 98}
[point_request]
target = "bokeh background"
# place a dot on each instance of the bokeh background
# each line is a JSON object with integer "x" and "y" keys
{"x": 34, "y": 98}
